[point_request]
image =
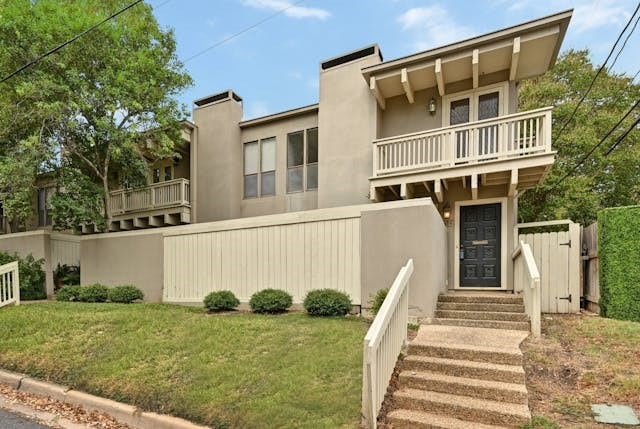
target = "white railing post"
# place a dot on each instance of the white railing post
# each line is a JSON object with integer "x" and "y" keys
{"x": 16, "y": 284}
{"x": 9, "y": 284}
{"x": 383, "y": 343}
{"x": 527, "y": 279}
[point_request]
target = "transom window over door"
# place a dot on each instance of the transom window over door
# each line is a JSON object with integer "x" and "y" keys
{"x": 302, "y": 160}
{"x": 260, "y": 168}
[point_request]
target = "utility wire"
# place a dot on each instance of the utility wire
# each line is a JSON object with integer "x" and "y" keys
{"x": 68, "y": 42}
{"x": 241, "y": 32}
{"x": 625, "y": 43}
{"x": 564, "y": 126}
{"x": 600, "y": 143}
{"x": 623, "y": 136}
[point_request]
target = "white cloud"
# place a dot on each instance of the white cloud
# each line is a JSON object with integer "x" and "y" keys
{"x": 256, "y": 109}
{"x": 595, "y": 14}
{"x": 432, "y": 26}
{"x": 291, "y": 10}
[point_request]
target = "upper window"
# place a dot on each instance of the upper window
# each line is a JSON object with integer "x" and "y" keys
{"x": 302, "y": 160}
{"x": 44, "y": 208}
{"x": 168, "y": 173}
{"x": 260, "y": 168}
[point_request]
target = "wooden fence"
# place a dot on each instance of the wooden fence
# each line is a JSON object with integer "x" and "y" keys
{"x": 9, "y": 284}
{"x": 592, "y": 269}
{"x": 383, "y": 343}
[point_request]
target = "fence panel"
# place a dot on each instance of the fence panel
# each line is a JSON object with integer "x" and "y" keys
{"x": 296, "y": 257}
{"x": 592, "y": 272}
{"x": 9, "y": 284}
{"x": 65, "y": 250}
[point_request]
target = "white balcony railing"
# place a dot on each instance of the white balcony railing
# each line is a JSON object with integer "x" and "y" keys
{"x": 504, "y": 137}
{"x": 172, "y": 193}
{"x": 9, "y": 284}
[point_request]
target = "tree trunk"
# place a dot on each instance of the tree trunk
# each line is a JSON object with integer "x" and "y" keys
{"x": 107, "y": 200}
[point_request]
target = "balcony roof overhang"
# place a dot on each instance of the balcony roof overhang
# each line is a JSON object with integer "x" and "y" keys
{"x": 519, "y": 52}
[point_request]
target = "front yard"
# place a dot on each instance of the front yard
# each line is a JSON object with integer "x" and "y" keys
{"x": 227, "y": 371}
{"x": 581, "y": 360}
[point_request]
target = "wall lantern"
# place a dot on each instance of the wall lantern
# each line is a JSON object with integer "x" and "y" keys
{"x": 432, "y": 106}
{"x": 446, "y": 211}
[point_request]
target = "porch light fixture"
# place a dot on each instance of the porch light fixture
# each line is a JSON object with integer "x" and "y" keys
{"x": 446, "y": 211}
{"x": 432, "y": 106}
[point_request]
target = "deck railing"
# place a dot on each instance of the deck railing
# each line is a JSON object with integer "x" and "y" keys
{"x": 526, "y": 279}
{"x": 171, "y": 193}
{"x": 383, "y": 343}
{"x": 9, "y": 284}
{"x": 504, "y": 137}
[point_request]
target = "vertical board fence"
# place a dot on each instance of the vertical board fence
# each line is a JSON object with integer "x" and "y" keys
{"x": 294, "y": 253}
{"x": 65, "y": 250}
{"x": 557, "y": 256}
{"x": 382, "y": 345}
{"x": 592, "y": 270}
{"x": 9, "y": 284}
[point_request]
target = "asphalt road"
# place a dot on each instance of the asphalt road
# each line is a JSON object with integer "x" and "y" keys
{"x": 12, "y": 421}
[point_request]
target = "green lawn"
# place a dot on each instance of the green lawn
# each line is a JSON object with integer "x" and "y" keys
{"x": 227, "y": 371}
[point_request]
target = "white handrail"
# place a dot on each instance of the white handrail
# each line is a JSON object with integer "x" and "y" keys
{"x": 527, "y": 280}
{"x": 382, "y": 345}
{"x": 9, "y": 284}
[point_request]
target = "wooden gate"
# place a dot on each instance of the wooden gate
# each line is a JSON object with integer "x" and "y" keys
{"x": 558, "y": 258}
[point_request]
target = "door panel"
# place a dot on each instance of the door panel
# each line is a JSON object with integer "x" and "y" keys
{"x": 488, "y": 107}
{"x": 480, "y": 253}
{"x": 460, "y": 113}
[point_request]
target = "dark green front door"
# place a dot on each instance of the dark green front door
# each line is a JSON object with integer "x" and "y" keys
{"x": 480, "y": 245}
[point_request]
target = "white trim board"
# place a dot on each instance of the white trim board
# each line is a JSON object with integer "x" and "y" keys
{"x": 503, "y": 242}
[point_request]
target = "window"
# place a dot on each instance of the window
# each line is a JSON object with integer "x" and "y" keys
{"x": 168, "y": 173}
{"x": 44, "y": 209}
{"x": 302, "y": 160}
{"x": 156, "y": 175}
{"x": 260, "y": 168}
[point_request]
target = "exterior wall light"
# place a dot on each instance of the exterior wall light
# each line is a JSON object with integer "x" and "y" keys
{"x": 432, "y": 106}
{"x": 446, "y": 211}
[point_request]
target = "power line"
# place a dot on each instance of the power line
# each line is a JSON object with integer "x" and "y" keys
{"x": 596, "y": 146}
{"x": 625, "y": 43}
{"x": 68, "y": 42}
{"x": 241, "y": 32}
{"x": 623, "y": 136}
{"x": 597, "y": 74}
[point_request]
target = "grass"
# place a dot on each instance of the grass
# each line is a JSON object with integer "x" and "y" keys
{"x": 227, "y": 371}
{"x": 581, "y": 360}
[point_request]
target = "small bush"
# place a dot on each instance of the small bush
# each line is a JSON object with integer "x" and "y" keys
{"x": 68, "y": 293}
{"x": 125, "y": 294}
{"x": 94, "y": 293}
{"x": 327, "y": 302}
{"x": 66, "y": 275}
{"x": 377, "y": 300}
{"x": 223, "y": 300}
{"x": 270, "y": 301}
{"x": 31, "y": 276}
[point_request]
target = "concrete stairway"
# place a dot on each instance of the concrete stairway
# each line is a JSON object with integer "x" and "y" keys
{"x": 459, "y": 376}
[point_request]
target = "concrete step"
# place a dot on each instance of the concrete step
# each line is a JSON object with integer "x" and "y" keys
{"x": 493, "y": 324}
{"x": 465, "y": 368}
{"x": 465, "y": 352}
{"x": 410, "y": 419}
{"x": 467, "y": 297}
{"x": 483, "y": 389}
{"x": 463, "y": 407}
{"x": 482, "y": 315}
{"x": 473, "y": 306}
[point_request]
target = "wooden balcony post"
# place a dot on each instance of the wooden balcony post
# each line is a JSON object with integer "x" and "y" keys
{"x": 153, "y": 196}
{"x": 375, "y": 160}
{"x": 122, "y": 199}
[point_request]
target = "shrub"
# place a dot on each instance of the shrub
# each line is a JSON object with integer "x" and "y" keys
{"x": 125, "y": 294}
{"x": 221, "y": 301}
{"x": 270, "y": 301}
{"x": 327, "y": 302}
{"x": 377, "y": 300}
{"x": 31, "y": 275}
{"x": 68, "y": 293}
{"x": 619, "y": 253}
{"x": 94, "y": 293}
{"x": 66, "y": 275}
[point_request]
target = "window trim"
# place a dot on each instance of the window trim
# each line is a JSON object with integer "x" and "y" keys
{"x": 305, "y": 164}
{"x": 259, "y": 171}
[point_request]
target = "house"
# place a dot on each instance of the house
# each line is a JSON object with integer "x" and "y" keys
{"x": 442, "y": 124}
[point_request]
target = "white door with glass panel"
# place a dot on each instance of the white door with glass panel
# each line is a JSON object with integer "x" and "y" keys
{"x": 473, "y": 142}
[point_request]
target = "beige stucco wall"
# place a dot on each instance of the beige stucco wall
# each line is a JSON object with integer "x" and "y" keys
{"x": 36, "y": 243}
{"x": 218, "y": 166}
{"x": 282, "y": 202}
{"x": 401, "y": 117}
{"x": 347, "y": 127}
{"x": 389, "y": 237}
{"x": 124, "y": 258}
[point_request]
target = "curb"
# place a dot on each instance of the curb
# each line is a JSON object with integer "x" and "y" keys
{"x": 124, "y": 413}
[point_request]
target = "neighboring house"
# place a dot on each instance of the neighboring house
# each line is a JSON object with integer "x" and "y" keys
{"x": 442, "y": 123}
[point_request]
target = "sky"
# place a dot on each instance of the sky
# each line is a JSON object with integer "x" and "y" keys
{"x": 274, "y": 66}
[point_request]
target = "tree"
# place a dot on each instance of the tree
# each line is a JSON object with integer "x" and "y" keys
{"x": 103, "y": 99}
{"x": 601, "y": 181}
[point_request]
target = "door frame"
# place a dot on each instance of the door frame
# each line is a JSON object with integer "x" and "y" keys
{"x": 501, "y": 88}
{"x": 503, "y": 241}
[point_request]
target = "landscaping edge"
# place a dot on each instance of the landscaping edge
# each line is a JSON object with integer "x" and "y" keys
{"x": 124, "y": 413}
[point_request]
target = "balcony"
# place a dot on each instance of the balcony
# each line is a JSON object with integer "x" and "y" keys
{"x": 513, "y": 149}
{"x": 161, "y": 204}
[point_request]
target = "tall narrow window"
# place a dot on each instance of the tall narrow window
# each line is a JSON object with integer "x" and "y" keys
{"x": 44, "y": 214}
{"x": 156, "y": 175}
{"x": 168, "y": 173}
{"x": 260, "y": 168}
{"x": 302, "y": 160}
